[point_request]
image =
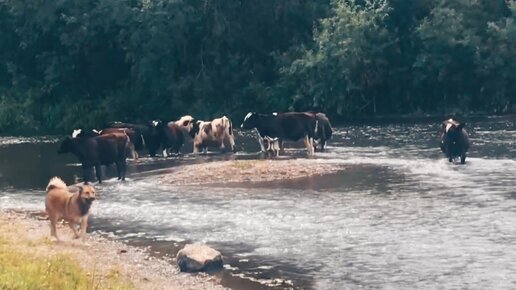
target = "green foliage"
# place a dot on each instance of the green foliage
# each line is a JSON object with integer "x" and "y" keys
{"x": 80, "y": 63}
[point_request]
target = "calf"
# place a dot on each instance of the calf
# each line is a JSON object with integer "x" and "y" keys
{"x": 97, "y": 151}
{"x": 285, "y": 126}
{"x": 454, "y": 140}
{"x": 272, "y": 145}
{"x": 214, "y": 133}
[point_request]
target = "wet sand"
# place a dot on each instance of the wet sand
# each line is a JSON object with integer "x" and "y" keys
{"x": 100, "y": 256}
{"x": 246, "y": 171}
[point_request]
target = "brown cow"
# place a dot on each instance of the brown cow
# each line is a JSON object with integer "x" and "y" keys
{"x": 97, "y": 151}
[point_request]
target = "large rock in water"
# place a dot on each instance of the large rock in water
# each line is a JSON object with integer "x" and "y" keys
{"x": 195, "y": 258}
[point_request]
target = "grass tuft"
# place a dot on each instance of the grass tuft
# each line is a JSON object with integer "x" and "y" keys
{"x": 23, "y": 271}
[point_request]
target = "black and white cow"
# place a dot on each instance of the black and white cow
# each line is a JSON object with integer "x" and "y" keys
{"x": 291, "y": 126}
{"x": 454, "y": 140}
{"x": 169, "y": 136}
{"x": 217, "y": 133}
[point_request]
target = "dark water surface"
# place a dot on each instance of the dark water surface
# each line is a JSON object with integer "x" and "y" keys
{"x": 399, "y": 217}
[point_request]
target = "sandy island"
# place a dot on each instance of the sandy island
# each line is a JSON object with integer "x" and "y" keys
{"x": 98, "y": 256}
{"x": 238, "y": 171}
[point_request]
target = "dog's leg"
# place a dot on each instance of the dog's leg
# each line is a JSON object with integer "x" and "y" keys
{"x": 53, "y": 231}
{"x": 84, "y": 225}
{"x": 74, "y": 229}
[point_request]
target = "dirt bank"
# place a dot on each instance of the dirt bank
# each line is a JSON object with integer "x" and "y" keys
{"x": 237, "y": 171}
{"x": 99, "y": 257}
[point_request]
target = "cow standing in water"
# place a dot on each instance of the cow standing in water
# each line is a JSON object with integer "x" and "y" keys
{"x": 454, "y": 140}
{"x": 96, "y": 151}
{"x": 291, "y": 126}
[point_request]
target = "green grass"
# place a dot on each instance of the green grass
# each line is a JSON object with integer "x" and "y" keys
{"x": 23, "y": 271}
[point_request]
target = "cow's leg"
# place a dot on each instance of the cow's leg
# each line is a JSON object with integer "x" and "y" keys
{"x": 281, "y": 147}
{"x": 98, "y": 173}
{"x": 165, "y": 152}
{"x": 121, "y": 166}
{"x": 222, "y": 146}
{"x": 231, "y": 143}
{"x": 323, "y": 142}
{"x": 196, "y": 148}
{"x": 309, "y": 143}
{"x": 463, "y": 157}
{"x": 262, "y": 146}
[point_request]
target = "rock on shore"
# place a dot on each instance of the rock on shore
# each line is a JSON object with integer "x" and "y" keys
{"x": 196, "y": 258}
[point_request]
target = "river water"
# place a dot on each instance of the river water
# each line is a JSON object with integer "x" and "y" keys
{"x": 399, "y": 217}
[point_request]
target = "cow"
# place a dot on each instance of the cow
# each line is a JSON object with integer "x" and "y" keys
{"x": 97, "y": 151}
{"x": 136, "y": 140}
{"x": 323, "y": 130}
{"x": 271, "y": 145}
{"x": 149, "y": 137}
{"x": 454, "y": 140}
{"x": 213, "y": 133}
{"x": 168, "y": 136}
{"x": 185, "y": 123}
{"x": 285, "y": 126}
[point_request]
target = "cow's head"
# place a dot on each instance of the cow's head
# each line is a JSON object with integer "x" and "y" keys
{"x": 249, "y": 121}
{"x": 67, "y": 146}
{"x": 185, "y": 123}
{"x": 85, "y": 133}
{"x": 452, "y": 131}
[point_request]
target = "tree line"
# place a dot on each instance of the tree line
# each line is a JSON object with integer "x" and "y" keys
{"x": 66, "y": 64}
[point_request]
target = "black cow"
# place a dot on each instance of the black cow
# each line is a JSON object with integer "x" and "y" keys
{"x": 169, "y": 136}
{"x": 286, "y": 126}
{"x": 97, "y": 151}
{"x": 323, "y": 131}
{"x": 454, "y": 140}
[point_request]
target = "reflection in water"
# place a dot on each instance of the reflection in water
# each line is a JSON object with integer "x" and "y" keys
{"x": 400, "y": 216}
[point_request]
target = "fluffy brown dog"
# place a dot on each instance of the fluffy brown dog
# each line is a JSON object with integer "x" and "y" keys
{"x": 72, "y": 207}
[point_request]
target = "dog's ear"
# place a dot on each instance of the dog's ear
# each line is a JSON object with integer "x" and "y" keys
{"x": 81, "y": 189}
{"x": 86, "y": 182}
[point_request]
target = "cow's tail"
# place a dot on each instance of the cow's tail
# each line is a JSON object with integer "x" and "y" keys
{"x": 56, "y": 182}
{"x": 230, "y": 127}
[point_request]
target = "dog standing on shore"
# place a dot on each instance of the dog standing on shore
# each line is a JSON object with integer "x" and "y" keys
{"x": 74, "y": 207}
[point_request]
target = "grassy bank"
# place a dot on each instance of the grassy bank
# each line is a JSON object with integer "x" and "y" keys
{"x": 22, "y": 266}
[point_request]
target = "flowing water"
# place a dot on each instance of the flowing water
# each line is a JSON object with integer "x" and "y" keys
{"x": 399, "y": 217}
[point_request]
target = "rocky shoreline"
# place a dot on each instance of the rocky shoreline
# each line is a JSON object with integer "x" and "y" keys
{"x": 99, "y": 256}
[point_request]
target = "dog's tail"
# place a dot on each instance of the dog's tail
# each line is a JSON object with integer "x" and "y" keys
{"x": 56, "y": 182}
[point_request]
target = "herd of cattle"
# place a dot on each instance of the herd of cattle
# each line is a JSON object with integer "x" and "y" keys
{"x": 114, "y": 143}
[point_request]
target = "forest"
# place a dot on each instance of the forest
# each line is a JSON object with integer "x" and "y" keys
{"x": 82, "y": 63}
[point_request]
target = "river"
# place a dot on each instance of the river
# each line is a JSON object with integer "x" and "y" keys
{"x": 399, "y": 217}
